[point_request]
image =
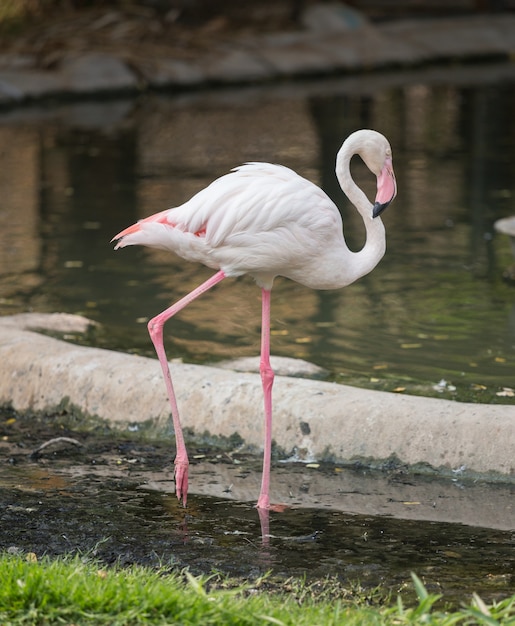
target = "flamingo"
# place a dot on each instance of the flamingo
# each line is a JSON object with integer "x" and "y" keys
{"x": 266, "y": 221}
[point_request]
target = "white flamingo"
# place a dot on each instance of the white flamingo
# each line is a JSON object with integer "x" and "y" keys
{"x": 266, "y": 221}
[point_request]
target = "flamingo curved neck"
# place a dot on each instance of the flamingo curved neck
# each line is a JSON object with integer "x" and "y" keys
{"x": 354, "y": 265}
{"x": 372, "y": 252}
{"x": 354, "y": 193}
{"x": 345, "y": 266}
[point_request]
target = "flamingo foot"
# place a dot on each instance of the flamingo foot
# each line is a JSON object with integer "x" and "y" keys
{"x": 181, "y": 480}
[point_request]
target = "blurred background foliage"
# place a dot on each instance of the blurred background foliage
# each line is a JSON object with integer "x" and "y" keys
{"x": 16, "y": 13}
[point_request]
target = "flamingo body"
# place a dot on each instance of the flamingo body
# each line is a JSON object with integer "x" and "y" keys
{"x": 266, "y": 221}
{"x": 256, "y": 220}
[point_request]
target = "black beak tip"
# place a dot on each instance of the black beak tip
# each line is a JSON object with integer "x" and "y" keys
{"x": 379, "y": 208}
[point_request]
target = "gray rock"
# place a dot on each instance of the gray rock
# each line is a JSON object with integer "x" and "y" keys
{"x": 506, "y": 226}
{"x": 169, "y": 72}
{"x": 290, "y": 54}
{"x": 282, "y": 366}
{"x": 332, "y": 17}
{"x": 98, "y": 72}
{"x": 236, "y": 65}
{"x": 29, "y": 84}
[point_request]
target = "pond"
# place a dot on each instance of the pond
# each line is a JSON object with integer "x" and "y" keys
{"x": 434, "y": 318}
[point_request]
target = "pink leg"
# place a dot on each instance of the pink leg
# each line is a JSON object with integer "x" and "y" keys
{"x": 155, "y": 329}
{"x": 267, "y": 378}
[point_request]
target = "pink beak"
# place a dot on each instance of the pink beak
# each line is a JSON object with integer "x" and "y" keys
{"x": 386, "y": 188}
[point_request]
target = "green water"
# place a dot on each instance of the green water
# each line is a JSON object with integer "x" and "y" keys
{"x": 435, "y": 317}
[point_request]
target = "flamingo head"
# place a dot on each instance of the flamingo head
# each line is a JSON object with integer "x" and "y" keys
{"x": 376, "y": 152}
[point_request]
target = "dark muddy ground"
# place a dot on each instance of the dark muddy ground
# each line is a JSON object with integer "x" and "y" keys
{"x": 110, "y": 494}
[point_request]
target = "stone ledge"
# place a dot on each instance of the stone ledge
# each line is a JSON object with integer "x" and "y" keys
{"x": 314, "y": 419}
{"x": 261, "y": 58}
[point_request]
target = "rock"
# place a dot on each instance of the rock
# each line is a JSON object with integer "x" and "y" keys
{"x": 293, "y": 54}
{"x": 332, "y": 17}
{"x": 9, "y": 92}
{"x": 282, "y": 366}
{"x": 59, "y": 322}
{"x": 236, "y": 65}
{"x": 447, "y": 38}
{"x": 169, "y": 72}
{"x": 506, "y": 226}
{"x": 19, "y": 85}
{"x": 96, "y": 72}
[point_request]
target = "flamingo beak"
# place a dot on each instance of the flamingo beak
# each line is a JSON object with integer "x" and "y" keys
{"x": 386, "y": 188}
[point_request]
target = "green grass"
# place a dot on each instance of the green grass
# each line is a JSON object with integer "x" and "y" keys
{"x": 77, "y": 591}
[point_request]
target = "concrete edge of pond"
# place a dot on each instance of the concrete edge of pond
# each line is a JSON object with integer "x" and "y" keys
{"x": 262, "y": 58}
{"x": 312, "y": 418}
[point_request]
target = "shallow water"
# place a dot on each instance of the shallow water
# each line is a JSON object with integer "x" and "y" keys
{"x": 435, "y": 309}
{"x": 112, "y": 498}
{"x": 216, "y": 535}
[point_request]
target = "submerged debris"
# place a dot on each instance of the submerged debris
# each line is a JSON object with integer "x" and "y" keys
{"x": 60, "y": 442}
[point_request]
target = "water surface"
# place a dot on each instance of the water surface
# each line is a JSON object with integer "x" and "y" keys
{"x": 435, "y": 317}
